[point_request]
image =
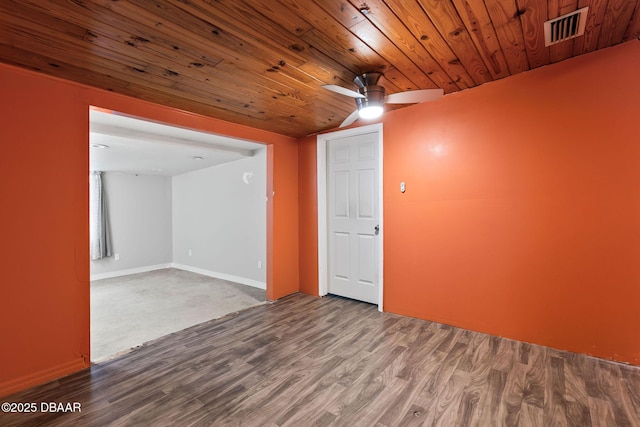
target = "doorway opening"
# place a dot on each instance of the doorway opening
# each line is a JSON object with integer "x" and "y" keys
{"x": 186, "y": 213}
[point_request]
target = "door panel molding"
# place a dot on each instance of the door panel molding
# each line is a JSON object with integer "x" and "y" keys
{"x": 323, "y": 244}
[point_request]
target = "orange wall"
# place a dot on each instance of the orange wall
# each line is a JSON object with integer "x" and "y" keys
{"x": 44, "y": 308}
{"x": 308, "y": 216}
{"x": 285, "y": 266}
{"x": 522, "y": 211}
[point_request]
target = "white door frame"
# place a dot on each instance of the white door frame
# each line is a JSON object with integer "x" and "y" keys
{"x": 323, "y": 245}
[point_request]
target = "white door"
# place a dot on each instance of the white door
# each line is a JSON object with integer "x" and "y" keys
{"x": 353, "y": 217}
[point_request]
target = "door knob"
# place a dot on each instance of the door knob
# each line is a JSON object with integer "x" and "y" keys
{"x": 377, "y": 230}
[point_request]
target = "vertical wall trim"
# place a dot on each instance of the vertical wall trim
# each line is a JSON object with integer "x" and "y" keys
{"x": 323, "y": 284}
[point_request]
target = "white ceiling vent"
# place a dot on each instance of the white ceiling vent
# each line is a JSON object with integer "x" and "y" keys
{"x": 565, "y": 27}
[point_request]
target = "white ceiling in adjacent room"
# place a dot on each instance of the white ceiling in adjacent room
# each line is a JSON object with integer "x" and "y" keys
{"x": 148, "y": 148}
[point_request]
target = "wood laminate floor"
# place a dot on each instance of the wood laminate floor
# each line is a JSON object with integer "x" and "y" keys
{"x": 306, "y": 361}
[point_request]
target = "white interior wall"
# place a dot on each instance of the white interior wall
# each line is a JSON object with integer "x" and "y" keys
{"x": 217, "y": 214}
{"x": 219, "y": 220}
{"x": 140, "y": 218}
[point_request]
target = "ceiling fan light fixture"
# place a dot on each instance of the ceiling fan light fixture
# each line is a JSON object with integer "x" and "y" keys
{"x": 370, "y": 112}
{"x": 371, "y": 106}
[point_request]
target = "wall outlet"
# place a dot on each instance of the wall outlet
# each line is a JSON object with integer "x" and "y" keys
{"x": 116, "y": 257}
{"x": 189, "y": 252}
{"x": 259, "y": 264}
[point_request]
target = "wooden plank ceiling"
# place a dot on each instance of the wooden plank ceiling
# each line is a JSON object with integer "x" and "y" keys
{"x": 261, "y": 63}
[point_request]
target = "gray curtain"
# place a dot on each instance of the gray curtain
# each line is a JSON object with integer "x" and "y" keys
{"x": 100, "y": 238}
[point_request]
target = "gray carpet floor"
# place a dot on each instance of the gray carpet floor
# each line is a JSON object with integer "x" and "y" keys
{"x": 128, "y": 311}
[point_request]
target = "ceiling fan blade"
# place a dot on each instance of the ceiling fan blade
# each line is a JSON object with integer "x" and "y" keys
{"x": 414, "y": 96}
{"x": 343, "y": 91}
{"x": 352, "y": 118}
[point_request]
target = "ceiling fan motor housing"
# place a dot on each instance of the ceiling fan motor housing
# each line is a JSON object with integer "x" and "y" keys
{"x": 374, "y": 97}
{"x": 368, "y": 86}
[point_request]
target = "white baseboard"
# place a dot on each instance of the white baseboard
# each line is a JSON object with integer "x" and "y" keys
{"x": 137, "y": 270}
{"x": 223, "y": 276}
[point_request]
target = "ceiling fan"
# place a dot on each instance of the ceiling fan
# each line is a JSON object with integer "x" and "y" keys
{"x": 371, "y": 97}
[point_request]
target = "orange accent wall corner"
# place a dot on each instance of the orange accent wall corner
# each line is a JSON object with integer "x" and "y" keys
{"x": 521, "y": 216}
{"x": 44, "y": 130}
{"x": 308, "y": 215}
